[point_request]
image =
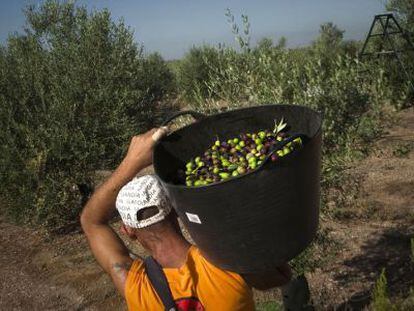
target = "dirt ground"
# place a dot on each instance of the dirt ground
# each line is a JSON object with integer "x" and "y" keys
{"x": 39, "y": 271}
{"x": 374, "y": 232}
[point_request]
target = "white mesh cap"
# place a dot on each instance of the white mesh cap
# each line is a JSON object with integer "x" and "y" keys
{"x": 138, "y": 194}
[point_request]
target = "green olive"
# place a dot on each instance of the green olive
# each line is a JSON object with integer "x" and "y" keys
{"x": 262, "y": 134}
{"x": 224, "y": 175}
{"x": 241, "y": 170}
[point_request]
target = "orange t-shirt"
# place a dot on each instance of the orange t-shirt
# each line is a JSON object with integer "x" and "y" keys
{"x": 216, "y": 289}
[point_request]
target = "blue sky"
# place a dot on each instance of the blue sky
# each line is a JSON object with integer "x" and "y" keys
{"x": 171, "y": 27}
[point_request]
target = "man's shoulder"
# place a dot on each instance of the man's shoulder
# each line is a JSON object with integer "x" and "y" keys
{"x": 200, "y": 259}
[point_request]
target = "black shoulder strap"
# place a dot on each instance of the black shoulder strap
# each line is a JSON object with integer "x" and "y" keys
{"x": 159, "y": 282}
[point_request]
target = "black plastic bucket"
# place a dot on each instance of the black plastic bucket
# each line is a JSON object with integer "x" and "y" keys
{"x": 253, "y": 222}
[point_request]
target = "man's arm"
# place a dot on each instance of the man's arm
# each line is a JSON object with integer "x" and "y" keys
{"x": 106, "y": 246}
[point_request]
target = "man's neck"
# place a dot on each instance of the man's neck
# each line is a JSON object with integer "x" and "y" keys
{"x": 171, "y": 251}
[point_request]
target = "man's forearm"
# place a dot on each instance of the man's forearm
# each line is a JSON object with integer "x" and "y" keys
{"x": 101, "y": 206}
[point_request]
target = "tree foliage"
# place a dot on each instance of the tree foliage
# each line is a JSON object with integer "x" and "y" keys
{"x": 404, "y": 9}
{"x": 73, "y": 88}
{"x": 330, "y": 36}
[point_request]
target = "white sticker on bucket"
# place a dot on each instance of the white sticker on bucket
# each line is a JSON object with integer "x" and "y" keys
{"x": 193, "y": 218}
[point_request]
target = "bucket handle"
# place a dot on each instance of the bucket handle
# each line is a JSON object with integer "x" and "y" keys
{"x": 284, "y": 142}
{"x": 196, "y": 115}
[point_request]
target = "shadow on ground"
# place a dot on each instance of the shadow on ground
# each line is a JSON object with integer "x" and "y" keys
{"x": 390, "y": 250}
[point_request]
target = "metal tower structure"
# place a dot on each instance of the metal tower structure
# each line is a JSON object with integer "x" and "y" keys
{"x": 389, "y": 29}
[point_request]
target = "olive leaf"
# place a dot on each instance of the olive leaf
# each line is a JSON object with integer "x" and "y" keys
{"x": 279, "y": 127}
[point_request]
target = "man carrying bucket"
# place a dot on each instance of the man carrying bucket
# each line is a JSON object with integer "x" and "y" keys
{"x": 176, "y": 276}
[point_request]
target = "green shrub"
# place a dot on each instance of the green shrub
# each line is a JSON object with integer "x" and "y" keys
{"x": 380, "y": 300}
{"x": 326, "y": 76}
{"x": 73, "y": 89}
{"x": 332, "y": 85}
{"x": 194, "y": 70}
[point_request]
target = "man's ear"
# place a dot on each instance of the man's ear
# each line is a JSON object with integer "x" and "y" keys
{"x": 130, "y": 232}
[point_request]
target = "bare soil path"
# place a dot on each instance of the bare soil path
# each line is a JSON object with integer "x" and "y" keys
{"x": 39, "y": 272}
{"x": 22, "y": 284}
{"x": 43, "y": 272}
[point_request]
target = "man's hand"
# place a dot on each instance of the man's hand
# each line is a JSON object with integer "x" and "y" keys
{"x": 140, "y": 149}
{"x": 263, "y": 281}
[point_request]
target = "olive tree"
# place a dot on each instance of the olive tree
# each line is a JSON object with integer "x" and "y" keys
{"x": 74, "y": 88}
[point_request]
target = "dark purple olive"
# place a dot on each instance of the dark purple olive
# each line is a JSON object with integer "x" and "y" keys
{"x": 274, "y": 157}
